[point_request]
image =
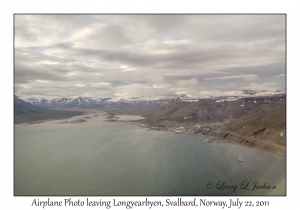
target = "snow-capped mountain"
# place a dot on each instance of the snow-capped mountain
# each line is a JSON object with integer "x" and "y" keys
{"x": 80, "y": 102}
{"x": 23, "y": 107}
{"x": 16, "y": 98}
{"x": 88, "y": 102}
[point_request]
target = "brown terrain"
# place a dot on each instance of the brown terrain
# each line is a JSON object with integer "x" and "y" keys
{"x": 258, "y": 122}
{"x": 263, "y": 128}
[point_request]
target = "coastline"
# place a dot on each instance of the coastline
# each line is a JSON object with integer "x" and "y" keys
{"x": 211, "y": 132}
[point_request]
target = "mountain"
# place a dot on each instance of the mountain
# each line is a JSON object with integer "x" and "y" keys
{"x": 182, "y": 107}
{"x": 263, "y": 128}
{"x": 23, "y": 107}
{"x": 266, "y": 122}
{"x": 207, "y": 110}
{"x": 80, "y": 102}
{"x": 25, "y": 112}
{"x": 88, "y": 102}
{"x": 258, "y": 122}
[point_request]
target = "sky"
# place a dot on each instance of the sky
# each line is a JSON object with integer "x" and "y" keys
{"x": 122, "y": 56}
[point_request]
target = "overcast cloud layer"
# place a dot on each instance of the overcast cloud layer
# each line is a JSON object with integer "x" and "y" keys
{"x": 147, "y": 55}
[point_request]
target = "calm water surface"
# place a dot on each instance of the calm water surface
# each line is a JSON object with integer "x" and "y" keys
{"x": 102, "y": 158}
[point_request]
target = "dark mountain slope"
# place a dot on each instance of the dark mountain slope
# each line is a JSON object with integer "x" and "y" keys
{"x": 208, "y": 110}
{"x": 25, "y": 112}
{"x": 267, "y": 122}
{"x": 23, "y": 107}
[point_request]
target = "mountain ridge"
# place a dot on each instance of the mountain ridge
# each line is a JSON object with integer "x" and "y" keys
{"x": 89, "y": 102}
{"x": 25, "y": 112}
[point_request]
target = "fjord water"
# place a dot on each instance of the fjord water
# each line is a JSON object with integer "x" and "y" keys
{"x": 124, "y": 159}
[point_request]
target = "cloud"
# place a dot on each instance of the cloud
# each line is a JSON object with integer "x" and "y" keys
{"x": 247, "y": 77}
{"x": 142, "y": 54}
{"x": 141, "y": 90}
{"x": 186, "y": 83}
{"x": 273, "y": 85}
{"x": 279, "y": 76}
{"x": 231, "y": 85}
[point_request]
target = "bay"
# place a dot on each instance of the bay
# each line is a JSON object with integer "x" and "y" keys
{"x": 109, "y": 158}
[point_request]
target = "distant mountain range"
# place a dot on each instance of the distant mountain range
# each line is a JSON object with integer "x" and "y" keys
{"x": 23, "y": 107}
{"x": 25, "y": 112}
{"x": 88, "y": 102}
{"x": 180, "y": 108}
{"x": 80, "y": 102}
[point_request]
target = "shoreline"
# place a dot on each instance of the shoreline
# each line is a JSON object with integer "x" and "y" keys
{"x": 219, "y": 141}
{"x": 209, "y": 135}
{"x": 209, "y": 132}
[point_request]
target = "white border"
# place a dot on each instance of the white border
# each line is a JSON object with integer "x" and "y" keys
{"x": 8, "y": 8}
